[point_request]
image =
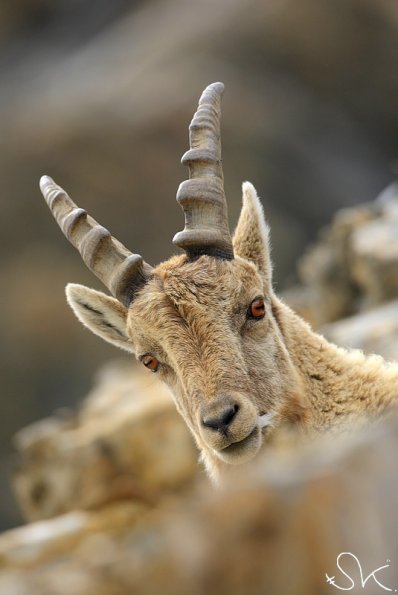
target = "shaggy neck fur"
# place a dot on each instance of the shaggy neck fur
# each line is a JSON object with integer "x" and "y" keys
{"x": 340, "y": 386}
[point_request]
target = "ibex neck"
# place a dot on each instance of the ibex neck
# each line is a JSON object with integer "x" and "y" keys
{"x": 339, "y": 385}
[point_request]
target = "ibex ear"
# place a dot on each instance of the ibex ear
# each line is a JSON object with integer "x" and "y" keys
{"x": 103, "y": 315}
{"x": 251, "y": 237}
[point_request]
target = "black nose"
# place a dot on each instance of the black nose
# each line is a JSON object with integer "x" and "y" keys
{"x": 221, "y": 419}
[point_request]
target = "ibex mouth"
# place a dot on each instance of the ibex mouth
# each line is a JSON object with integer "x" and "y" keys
{"x": 242, "y": 443}
{"x": 243, "y": 450}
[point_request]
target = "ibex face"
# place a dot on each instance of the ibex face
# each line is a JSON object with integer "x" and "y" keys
{"x": 205, "y": 321}
{"x": 208, "y": 330}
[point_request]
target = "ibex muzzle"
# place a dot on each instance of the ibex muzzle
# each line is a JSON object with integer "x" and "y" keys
{"x": 219, "y": 415}
{"x": 230, "y": 425}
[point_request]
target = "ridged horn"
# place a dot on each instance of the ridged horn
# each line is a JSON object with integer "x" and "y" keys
{"x": 119, "y": 270}
{"x": 202, "y": 197}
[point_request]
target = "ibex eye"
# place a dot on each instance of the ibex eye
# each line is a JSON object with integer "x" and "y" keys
{"x": 257, "y": 308}
{"x": 150, "y": 362}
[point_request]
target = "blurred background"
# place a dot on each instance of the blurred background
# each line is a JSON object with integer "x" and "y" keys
{"x": 99, "y": 95}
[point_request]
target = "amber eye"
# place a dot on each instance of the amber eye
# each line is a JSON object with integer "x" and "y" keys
{"x": 257, "y": 308}
{"x": 150, "y": 362}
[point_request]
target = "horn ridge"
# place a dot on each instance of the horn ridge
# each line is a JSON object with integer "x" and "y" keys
{"x": 202, "y": 196}
{"x": 121, "y": 271}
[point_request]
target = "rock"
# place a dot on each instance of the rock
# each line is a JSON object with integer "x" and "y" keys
{"x": 354, "y": 264}
{"x": 126, "y": 442}
{"x": 374, "y": 331}
{"x": 375, "y": 252}
{"x": 44, "y": 540}
{"x": 276, "y": 526}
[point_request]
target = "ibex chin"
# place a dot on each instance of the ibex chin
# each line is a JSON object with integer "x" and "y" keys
{"x": 238, "y": 361}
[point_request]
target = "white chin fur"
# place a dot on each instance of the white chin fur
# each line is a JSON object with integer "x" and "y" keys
{"x": 265, "y": 420}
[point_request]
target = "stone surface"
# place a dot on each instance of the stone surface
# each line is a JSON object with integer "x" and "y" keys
{"x": 353, "y": 266}
{"x": 374, "y": 331}
{"x": 125, "y": 442}
{"x": 276, "y": 526}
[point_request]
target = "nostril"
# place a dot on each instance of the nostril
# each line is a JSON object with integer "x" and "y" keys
{"x": 230, "y": 414}
{"x": 222, "y": 421}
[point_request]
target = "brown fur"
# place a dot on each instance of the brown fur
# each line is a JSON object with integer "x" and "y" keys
{"x": 192, "y": 316}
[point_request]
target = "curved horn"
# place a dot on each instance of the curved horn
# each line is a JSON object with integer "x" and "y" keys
{"x": 121, "y": 271}
{"x": 202, "y": 197}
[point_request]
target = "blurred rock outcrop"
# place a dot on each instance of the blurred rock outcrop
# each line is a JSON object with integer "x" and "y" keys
{"x": 375, "y": 331}
{"x": 352, "y": 272}
{"x": 349, "y": 280}
{"x": 277, "y": 526}
{"x": 126, "y": 442}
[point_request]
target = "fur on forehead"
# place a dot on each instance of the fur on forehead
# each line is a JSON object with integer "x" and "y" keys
{"x": 179, "y": 281}
{"x": 205, "y": 277}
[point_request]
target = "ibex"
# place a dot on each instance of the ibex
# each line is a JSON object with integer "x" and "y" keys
{"x": 240, "y": 363}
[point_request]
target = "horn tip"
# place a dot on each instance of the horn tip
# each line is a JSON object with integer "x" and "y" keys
{"x": 46, "y": 181}
{"x": 217, "y": 86}
{"x": 211, "y": 92}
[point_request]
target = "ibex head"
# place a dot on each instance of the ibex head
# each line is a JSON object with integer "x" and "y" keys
{"x": 205, "y": 321}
